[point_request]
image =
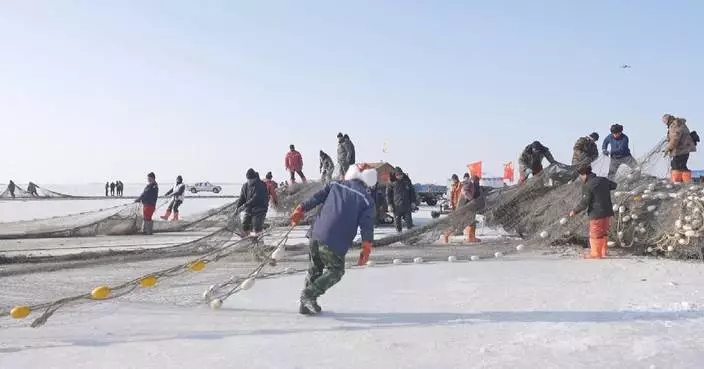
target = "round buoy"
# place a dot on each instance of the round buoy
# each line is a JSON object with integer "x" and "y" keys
{"x": 563, "y": 221}
{"x": 651, "y": 208}
{"x": 670, "y": 248}
{"x": 215, "y": 304}
{"x": 290, "y": 270}
{"x": 621, "y": 209}
{"x": 371, "y": 263}
{"x": 520, "y": 247}
{"x": 247, "y": 283}
{"x": 452, "y": 258}
{"x": 398, "y": 261}
{"x": 474, "y": 258}
{"x": 418, "y": 260}
{"x": 498, "y": 254}
{"x": 611, "y": 243}
{"x": 544, "y": 234}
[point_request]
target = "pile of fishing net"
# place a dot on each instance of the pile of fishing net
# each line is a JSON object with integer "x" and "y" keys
{"x": 119, "y": 220}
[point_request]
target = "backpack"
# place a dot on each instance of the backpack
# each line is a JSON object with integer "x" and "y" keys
{"x": 695, "y": 136}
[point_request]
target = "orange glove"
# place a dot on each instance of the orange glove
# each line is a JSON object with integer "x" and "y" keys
{"x": 366, "y": 251}
{"x": 297, "y": 215}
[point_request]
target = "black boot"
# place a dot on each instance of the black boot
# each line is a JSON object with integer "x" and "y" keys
{"x": 148, "y": 227}
{"x": 306, "y": 307}
{"x": 316, "y": 307}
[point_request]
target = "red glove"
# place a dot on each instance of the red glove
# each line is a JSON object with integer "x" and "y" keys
{"x": 366, "y": 251}
{"x": 297, "y": 215}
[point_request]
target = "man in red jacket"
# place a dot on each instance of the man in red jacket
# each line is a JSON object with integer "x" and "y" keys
{"x": 294, "y": 164}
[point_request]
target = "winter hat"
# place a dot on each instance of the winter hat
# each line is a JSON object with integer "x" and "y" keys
{"x": 340, "y": 135}
{"x": 669, "y": 118}
{"x": 455, "y": 177}
{"x": 536, "y": 145}
{"x": 616, "y": 128}
{"x": 151, "y": 175}
{"x": 251, "y": 174}
{"x": 346, "y": 137}
{"x": 179, "y": 179}
{"x": 291, "y": 147}
{"x": 269, "y": 175}
{"x": 362, "y": 172}
{"x": 466, "y": 175}
{"x": 398, "y": 170}
{"x": 594, "y": 136}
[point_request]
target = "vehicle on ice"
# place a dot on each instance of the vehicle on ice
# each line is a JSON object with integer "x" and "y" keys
{"x": 429, "y": 193}
{"x": 204, "y": 187}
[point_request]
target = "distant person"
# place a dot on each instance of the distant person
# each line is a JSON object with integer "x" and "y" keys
{"x": 585, "y": 151}
{"x": 107, "y": 189}
{"x": 11, "y": 187}
{"x": 271, "y": 187}
{"x": 327, "y": 167}
{"x": 401, "y": 196}
{"x": 148, "y": 198}
{"x": 112, "y": 188}
{"x": 455, "y": 191}
{"x": 294, "y": 164}
{"x": 119, "y": 186}
{"x": 471, "y": 200}
{"x": 351, "y": 159}
{"x": 32, "y": 189}
{"x": 680, "y": 143}
{"x": 620, "y": 152}
{"x": 343, "y": 155}
{"x": 596, "y": 200}
{"x": 254, "y": 202}
{"x": 531, "y": 160}
{"x": 178, "y": 192}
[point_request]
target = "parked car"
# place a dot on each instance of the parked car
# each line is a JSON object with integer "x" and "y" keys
{"x": 204, "y": 187}
{"x": 429, "y": 193}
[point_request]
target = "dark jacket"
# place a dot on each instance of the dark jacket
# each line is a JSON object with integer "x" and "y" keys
{"x": 470, "y": 191}
{"x": 533, "y": 159}
{"x": 346, "y": 205}
{"x": 619, "y": 146}
{"x": 584, "y": 151}
{"x": 679, "y": 139}
{"x": 596, "y": 197}
{"x": 401, "y": 195}
{"x": 150, "y": 194}
{"x": 342, "y": 152}
{"x": 326, "y": 162}
{"x": 350, "y": 152}
{"x": 254, "y": 197}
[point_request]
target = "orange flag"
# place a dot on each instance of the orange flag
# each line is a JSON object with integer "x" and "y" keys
{"x": 475, "y": 169}
{"x": 508, "y": 171}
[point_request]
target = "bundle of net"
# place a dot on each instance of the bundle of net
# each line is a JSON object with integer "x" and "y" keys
{"x": 119, "y": 220}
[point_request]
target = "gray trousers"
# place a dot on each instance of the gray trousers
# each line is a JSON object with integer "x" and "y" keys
{"x": 616, "y": 163}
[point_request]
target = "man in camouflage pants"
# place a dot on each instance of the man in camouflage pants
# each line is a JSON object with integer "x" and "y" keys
{"x": 346, "y": 206}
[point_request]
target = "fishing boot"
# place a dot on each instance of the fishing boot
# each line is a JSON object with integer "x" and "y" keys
{"x": 686, "y": 176}
{"x": 175, "y": 219}
{"x": 595, "y": 249}
{"x": 307, "y": 307}
{"x": 676, "y": 176}
{"x": 148, "y": 227}
{"x": 167, "y": 215}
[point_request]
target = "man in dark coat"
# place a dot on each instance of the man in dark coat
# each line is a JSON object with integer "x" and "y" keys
{"x": 585, "y": 150}
{"x": 351, "y": 159}
{"x": 112, "y": 188}
{"x": 11, "y": 187}
{"x": 327, "y": 167}
{"x": 107, "y": 189}
{"x": 596, "y": 200}
{"x": 531, "y": 160}
{"x": 148, "y": 198}
{"x": 254, "y": 201}
{"x": 401, "y": 196}
{"x": 343, "y": 155}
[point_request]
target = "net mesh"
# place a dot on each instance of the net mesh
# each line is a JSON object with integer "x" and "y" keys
{"x": 21, "y": 193}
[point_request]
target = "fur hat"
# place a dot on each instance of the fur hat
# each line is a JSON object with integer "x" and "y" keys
{"x": 251, "y": 174}
{"x": 151, "y": 175}
{"x": 292, "y": 147}
{"x": 594, "y": 136}
{"x": 269, "y": 175}
{"x": 179, "y": 178}
{"x": 455, "y": 177}
{"x": 362, "y": 172}
{"x": 340, "y": 135}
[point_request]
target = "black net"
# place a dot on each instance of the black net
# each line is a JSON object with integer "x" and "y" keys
{"x": 21, "y": 192}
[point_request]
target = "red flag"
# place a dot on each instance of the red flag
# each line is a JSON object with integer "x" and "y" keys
{"x": 475, "y": 169}
{"x": 508, "y": 171}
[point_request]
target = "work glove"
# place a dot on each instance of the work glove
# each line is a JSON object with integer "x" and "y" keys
{"x": 366, "y": 251}
{"x": 528, "y": 172}
{"x": 297, "y": 215}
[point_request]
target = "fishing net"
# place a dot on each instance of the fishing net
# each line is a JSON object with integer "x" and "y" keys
{"x": 20, "y": 193}
{"x": 118, "y": 220}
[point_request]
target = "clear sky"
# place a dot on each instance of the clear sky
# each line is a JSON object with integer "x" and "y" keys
{"x": 97, "y": 90}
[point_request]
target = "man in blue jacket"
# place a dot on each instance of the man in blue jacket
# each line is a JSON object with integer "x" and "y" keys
{"x": 620, "y": 153}
{"x": 148, "y": 198}
{"x": 345, "y": 206}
